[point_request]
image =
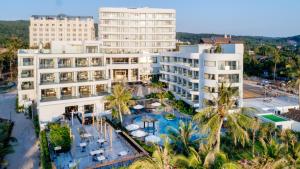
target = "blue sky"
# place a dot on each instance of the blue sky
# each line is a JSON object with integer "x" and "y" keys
{"x": 238, "y": 17}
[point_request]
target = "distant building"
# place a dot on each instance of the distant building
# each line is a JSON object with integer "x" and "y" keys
{"x": 219, "y": 40}
{"x": 194, "y": 72}
{"x": 46, "y": 28}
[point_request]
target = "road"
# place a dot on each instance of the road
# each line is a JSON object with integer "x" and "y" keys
{"x": 26, "y": 153}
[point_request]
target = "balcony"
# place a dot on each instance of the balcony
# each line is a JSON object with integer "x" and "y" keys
{"x": 27, "y": 86}
{"x": 66, "y": 77}
{"x": 81, "y": 62}
{"x": 99, "y": 75}
{"x": 46, "y": 63}
{"x": 97, "y": 62}
{"x": 64, "y": 63}
{"x": 84, "y": 91}
{"x": 82, "y": 76}
{"x": 48, "y": 78}
{"x": 48, "y": 95}
{"x": 26, "y": 73}
{"x": 27, "y": 61}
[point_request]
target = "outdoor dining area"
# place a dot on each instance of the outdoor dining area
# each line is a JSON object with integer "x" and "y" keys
{"x": 96, "y": 145}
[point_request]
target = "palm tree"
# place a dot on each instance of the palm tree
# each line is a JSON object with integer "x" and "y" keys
{"x": 294, "y": 72}
{"x": 120, "y": 99}
{"x": 158, "y": 86}
{"x": 288, "y": 138}
{"x": 161, "y": 159}
{"x": 161, "y": 95}
{"x": 254, "y": 127}
{"x": 276, "y": 59}
{"x": 193, "y": 161}
{"x": 182, "y": 137}
{"x": 212, "y": 118}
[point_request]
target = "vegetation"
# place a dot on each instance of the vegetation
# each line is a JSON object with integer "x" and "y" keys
{"x": 60, "y": 136}
{"x": 230, "y": 140}
{"x": 183, "y": 107}
{"x": 120, "y": 100}
{"x": 36, "y": 125}
{"x": 169, "y": 116}
{"x": 5, "y": 146}
{"x": 45, "y": 154}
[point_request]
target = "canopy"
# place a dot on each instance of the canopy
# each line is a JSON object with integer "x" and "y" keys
{"x": 138, "y": 133}
{"x": 137, "y": 107}
{"x": 152, "y": 139}
{"x": 155, "y": 104}
{"x": 132, "y": 127}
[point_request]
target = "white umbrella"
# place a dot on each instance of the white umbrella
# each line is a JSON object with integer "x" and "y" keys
{"x": 152, "y": 139}
{"x": 138, "y": 107}
{"x": 132, "y": 127}
{"x": 138, "y": 133}
{"x": 155, "y": 104}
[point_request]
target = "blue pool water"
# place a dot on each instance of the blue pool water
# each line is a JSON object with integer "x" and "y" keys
{"x": 162, "y": 126}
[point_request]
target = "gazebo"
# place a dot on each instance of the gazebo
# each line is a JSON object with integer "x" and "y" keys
{"x": 147, "y": 120}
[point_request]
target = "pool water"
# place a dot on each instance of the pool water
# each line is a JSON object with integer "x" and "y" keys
{"x": 162, "y": 125}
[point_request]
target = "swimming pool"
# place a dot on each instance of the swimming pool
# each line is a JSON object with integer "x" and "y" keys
{"x": 162, "y": 125}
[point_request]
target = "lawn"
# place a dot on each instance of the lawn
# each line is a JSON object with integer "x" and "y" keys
{"x": 273, "y": 118}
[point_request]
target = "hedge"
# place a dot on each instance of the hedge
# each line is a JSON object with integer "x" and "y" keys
{"x": 45, "y": 155}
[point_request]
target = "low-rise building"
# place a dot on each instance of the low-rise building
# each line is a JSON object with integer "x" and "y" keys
{"x": 194, "y": 72}
{"x": 70, "y": 77}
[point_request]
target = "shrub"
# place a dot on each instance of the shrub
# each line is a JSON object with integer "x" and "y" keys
{"x": 152, "y": 96}
{"x": 45, "y": 155}
{"x": 60, "y": 136}
{"x": 36, "y": 125}
{"x": 170, "y": 95}
{"x": 183, "y": 107}
{"x": 169, "y": 116}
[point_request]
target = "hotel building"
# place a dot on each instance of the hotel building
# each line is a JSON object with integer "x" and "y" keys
{"x": 194, "y": 72}
{"x": 134, "y": 37}
{"x": 46, "y": 28}
{"x": 71, "y": 76}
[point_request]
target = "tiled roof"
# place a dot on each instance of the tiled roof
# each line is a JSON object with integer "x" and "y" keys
{"x": 293, "y": 114}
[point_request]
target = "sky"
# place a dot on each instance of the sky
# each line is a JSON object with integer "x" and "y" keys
{"x": 274, "y": 18}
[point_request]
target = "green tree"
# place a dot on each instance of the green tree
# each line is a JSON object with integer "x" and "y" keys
{"x": 182, "y": 137}
{"x": 161, "y": 159}
{"x": 193, "y": 161}
{"x": 212, "y": 118}
{"x": 60, "y": 136}
{"x": 276, "y": 60}
{"x": 120, "y": 100}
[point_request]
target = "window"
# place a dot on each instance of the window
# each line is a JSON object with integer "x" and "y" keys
{"x": 227, "y": 65}
{"x": 228, "y": 78}
{"x": 209, "y": 76}
{"x": 210, "y": 63}
{"x": 154, "y": 59}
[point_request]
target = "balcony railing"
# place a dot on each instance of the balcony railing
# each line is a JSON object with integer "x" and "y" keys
{"x": 46, "y": 66}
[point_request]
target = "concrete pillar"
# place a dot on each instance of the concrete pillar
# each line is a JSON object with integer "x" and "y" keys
{"x": 111, "y": 138}
{"x": 58, "y": 93}
{"x": 104, "y": 130}
{"x": 129, "y": 74}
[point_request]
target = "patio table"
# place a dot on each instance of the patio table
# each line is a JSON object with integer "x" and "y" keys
{"x": 72, "y": 164}
{"x": 101, "y": 158}
{"x": 57, "y": 148}
{"x": 86, "y": 135}
{"x": 100, "y": 151}
{"x": 82, "y": 144}
{"x": 123, "y": 153}
{"x": 100, "y": 140}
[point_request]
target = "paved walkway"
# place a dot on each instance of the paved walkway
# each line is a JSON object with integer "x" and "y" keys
{"x": 26, "y": 155}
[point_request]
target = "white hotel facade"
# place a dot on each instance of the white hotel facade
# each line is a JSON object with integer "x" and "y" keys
{"x": 194, "y": 73}
{"x": 134, "y": 44}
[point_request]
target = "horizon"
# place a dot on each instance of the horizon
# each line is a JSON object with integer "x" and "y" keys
{"x": 256, "y": 18}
